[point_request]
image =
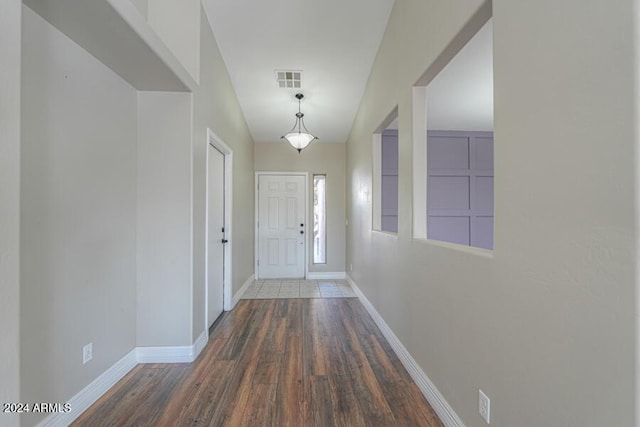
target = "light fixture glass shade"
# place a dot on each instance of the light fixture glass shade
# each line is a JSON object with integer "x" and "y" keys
{"x": 299, "y": 140}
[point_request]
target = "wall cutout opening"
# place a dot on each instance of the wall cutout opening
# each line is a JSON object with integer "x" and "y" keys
{"x": 385, "y": 175}
{"x": 453, "y": 141}
{"x": 319, "y": 219}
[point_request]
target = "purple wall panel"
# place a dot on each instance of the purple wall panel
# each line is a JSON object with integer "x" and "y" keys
{"x": 460, "y": 187}
{"x": 483, "y": 232}
{"x": 389, "y": 223}
{"x": 448, "y": 193}
{"x": 484, "y": 153}
{"x": 389, "y": 181}
{"x": 390, "y": 189}
{"x": 448, "y": 152}
{"x": 454, "y": 229}
{"x": 484, "y": 194}
{"x": 389, "y": 159}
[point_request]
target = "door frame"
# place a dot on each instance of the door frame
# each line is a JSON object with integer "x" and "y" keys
{"x": 216, "y": 142}
{"x": 257, "y": 216}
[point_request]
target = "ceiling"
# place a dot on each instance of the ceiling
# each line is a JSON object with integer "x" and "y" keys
{"x": 333, "y": 42}
{"x": 335, "y": 52}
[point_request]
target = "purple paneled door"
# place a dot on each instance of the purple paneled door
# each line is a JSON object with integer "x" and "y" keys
{"x": 460, "y": 187}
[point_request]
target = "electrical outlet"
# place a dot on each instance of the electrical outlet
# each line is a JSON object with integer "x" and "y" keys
{"x": 87, "y": 353}
{"x": 484, "y": 406}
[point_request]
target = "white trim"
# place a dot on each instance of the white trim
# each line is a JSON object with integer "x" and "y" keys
{"x": 200, "y": 343}
{"x": 220, "y": 145}
{"x": 389, "y": 234}
{"x": 419, "y": 162}
{"x": 191, "y": 218}
{"x": 256, "y": 241}
{"x": 257, "y": 216}
{"x": 92, "y": 392}
{"x": 171, "y": 354}
{"x": 445, "y": 412}
{"x": 243, "y": 289}
{"x": 473, "y": 250}
{"x": 312, "y": 275}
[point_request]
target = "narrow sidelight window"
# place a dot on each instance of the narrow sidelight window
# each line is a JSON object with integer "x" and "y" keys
{"x": 319, "y": 219}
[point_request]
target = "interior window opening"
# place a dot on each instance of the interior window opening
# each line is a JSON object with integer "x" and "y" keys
{"x": 460, "y": 146}
{"x": 453, "y": 142}
{"x": 386, "y": 175}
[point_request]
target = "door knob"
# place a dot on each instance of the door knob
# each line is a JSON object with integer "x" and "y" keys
{"x": 224, "y": 240}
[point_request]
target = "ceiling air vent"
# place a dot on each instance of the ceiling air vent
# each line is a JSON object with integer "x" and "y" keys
{"x": 289, "y": 79}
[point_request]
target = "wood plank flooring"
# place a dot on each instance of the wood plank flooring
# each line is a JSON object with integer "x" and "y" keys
{"x": 288, "y": 362}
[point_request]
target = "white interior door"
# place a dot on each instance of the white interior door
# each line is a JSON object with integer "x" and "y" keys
{"x": 215, "y": 234}
{"x": 281, "y": 226}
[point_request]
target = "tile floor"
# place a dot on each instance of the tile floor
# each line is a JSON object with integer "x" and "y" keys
{"x": 287, "y": 288}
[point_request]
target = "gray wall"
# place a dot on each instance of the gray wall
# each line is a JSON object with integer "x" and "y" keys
{"x": 143, "y": 7}
{"x": 164, "y": 219}
{"x": 546, "y": 326}
{"x": 78, "y": 212}
{"x": 318, "y": 158}
{"x": 178, "y": 25}
{"x": 10, "y": 35}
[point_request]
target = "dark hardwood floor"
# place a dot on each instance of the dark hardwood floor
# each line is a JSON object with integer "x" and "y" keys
{"x": 288, "y": 362}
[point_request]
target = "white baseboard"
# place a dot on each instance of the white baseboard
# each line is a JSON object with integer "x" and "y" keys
{"x": 172, "y": 354}
{"x": 243, "y": 289}
{"x": 88, "y": 395}
{"x": 200, "y": 343}
{"x": 446, "y": 413}
{"x": 326, "y": 276}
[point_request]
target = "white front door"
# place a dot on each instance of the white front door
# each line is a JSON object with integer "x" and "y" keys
{"x": 215, "y": 234}
{"x": 281, "y": 226}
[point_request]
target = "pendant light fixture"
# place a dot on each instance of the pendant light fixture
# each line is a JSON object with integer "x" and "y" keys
{"x": 299, "y": 137}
